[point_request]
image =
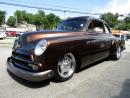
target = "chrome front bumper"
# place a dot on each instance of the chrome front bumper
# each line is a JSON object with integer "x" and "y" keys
{"x": 30, "y": 76}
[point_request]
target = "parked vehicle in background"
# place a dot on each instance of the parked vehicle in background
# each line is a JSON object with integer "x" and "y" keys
{"x": 2, "y": 34}
{"x": 128, "y": 35}
{"x": 121, "y": 34}
{"x": 11, "y": 33}
{"x": 76, "y": 43}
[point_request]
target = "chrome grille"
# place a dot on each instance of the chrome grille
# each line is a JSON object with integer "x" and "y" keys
{"x": 22, "y": 61}
{"x": 19, "y": 55}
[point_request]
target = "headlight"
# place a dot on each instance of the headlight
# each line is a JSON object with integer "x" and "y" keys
{"x": 40, "y": 47}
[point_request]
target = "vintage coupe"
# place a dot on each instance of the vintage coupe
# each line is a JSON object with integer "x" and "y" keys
{"x": 76, "y": 43}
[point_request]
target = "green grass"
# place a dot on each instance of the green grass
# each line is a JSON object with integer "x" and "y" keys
{"x": 10, "y": 38}
{"x": 6, "y": 43}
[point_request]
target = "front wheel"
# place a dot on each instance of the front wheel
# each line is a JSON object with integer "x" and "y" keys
{"x": 66, "y": 67}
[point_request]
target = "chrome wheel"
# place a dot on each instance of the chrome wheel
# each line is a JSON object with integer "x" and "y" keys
{"x": 66, "y": 65}
{"x": 118, "y": 52}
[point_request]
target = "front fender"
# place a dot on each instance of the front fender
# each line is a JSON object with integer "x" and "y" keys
{"x": 56, "y": 50}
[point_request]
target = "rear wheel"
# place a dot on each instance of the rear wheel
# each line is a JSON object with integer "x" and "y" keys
{"x": 117, "y": 53}
{"x": 66, "y": 67}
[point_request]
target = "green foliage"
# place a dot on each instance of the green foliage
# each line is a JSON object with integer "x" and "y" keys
{"x": 2, "y": 17}
{"x": 29, "y": 18}
{"x": 11, "y": 21}
{"x": 20, "y": 15}
{"x": 125, "y": 24}
{"x": 51, "y": 21}
{"x": 127, "y": 19}
{"x": 120, "y": 26}
{"x": 40, "y": 19}
{"x": 111, "y": 19}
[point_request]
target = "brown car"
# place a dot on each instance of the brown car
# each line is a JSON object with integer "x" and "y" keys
{"x": 76, "y": 43}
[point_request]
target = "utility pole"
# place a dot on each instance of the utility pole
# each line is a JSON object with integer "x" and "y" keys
{"x": 64, "y": 14}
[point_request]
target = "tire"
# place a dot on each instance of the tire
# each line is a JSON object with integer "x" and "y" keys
{"x": 66, "y": 67}
{"x": 1, "y": 38}
{"x": 117, "y": 53}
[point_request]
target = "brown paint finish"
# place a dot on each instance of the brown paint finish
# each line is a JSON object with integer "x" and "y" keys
{"x": 87, "y": 47}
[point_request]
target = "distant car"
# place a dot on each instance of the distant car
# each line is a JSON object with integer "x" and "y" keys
{"x": 76, "y": 43}
{"x": 11, "y": 33}
{"x": 2, "y": 34}
{"x": 128, "y": 35}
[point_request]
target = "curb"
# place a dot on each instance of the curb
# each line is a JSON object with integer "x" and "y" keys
{"x": 6, "y": 45}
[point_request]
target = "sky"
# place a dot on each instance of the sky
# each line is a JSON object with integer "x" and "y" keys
{"x": 92, "y": 6}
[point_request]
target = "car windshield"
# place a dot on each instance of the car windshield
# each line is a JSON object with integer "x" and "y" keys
{"x": 77, "y": 24}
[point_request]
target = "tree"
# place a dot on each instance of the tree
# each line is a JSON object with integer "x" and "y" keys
{"x": 11, "y": 21}
{"x": 43, "y": 21}
{"x": 51, "y": 21}
{"x": 2, "y": 17}
{"x": 39, "y": 19}
{"x": 125, "y": 24}
{"x": 120, "y": 26}
{"x": 21, "y": 15}
{"x": 127, "y": 19}
{"x": 29, "y": 18}
{"x": 111, "y": 19}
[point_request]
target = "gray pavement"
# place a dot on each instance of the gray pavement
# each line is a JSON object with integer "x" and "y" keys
{"x": 105, "y": 79}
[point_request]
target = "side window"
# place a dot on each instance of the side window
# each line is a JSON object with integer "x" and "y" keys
{"x": 106, "y": 29}
{"x": 96, "y": 27}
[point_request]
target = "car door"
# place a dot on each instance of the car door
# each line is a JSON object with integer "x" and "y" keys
{"x": 95, "y": 43}
{"x": 108, "y": 37}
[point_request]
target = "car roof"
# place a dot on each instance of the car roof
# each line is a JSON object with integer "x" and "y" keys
{"x": 85, "y": 17}
{"x": 80, "y": 17}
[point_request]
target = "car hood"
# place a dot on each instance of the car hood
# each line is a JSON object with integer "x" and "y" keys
{"x": 29, "y": 40}
{"x": 49, "y": 34}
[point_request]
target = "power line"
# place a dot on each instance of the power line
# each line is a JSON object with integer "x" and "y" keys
{"x": 52, "y": 5}
{"x": 51, "y": 9}
{"x": 58, "y": 6}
